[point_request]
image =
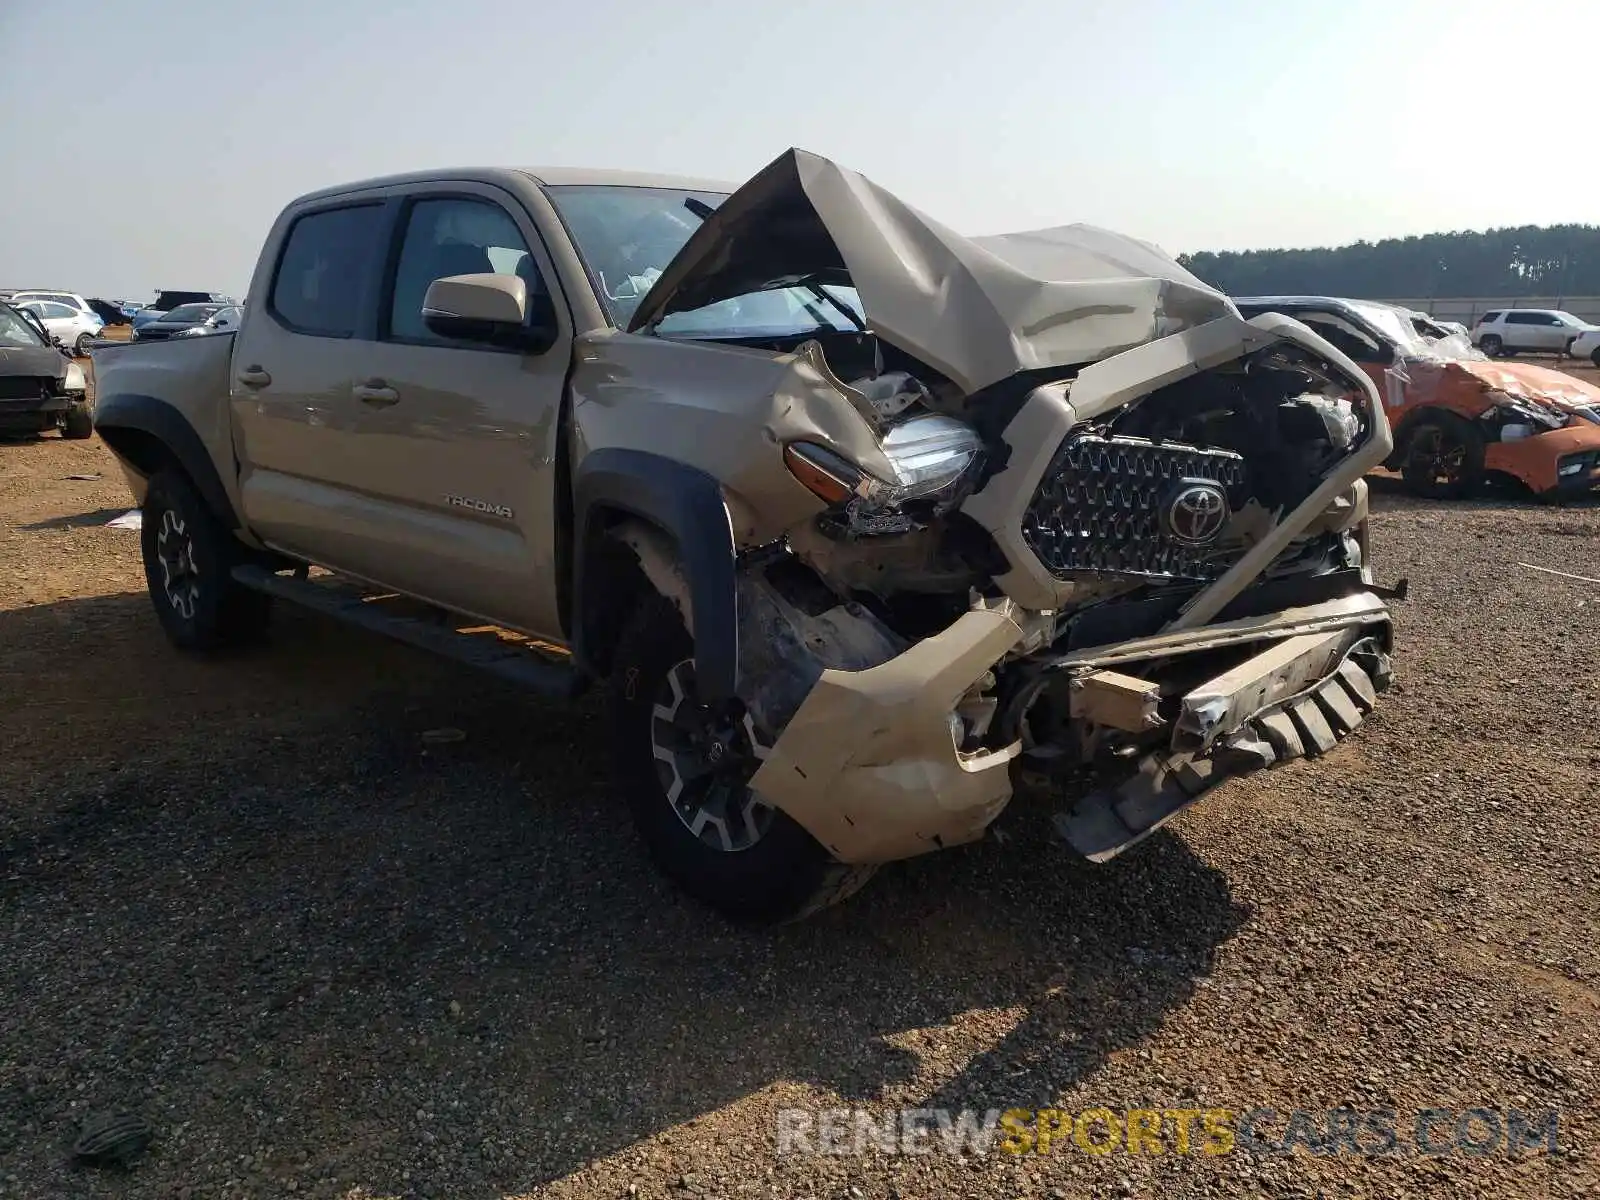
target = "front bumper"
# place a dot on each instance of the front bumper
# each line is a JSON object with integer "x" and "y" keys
{"x": 1537, "y": 460}
{"x": 36, "y": 413}
{"x": 869, "y": 764}
{"x": 1299, "y": 697}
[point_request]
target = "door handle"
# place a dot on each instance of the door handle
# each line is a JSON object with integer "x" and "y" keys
{"x": 376, "y": 393}
{"x": 254, "y": 376}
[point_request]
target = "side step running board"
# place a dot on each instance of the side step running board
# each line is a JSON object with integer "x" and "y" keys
{"x": 487, "y": 652}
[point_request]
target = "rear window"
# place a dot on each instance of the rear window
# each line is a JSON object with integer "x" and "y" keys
{"x": 326, "y": 261}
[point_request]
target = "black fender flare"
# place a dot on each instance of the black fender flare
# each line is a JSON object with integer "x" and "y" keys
{"x": 160, "y": 420}
{"x": 686, "y": 504}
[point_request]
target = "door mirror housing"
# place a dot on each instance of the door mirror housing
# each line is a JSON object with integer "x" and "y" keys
{"x": 488, "y": 308}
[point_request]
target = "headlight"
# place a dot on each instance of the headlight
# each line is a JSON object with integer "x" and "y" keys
{"x": 930, "y": 458}
{"x": 1535, "y": 413}
{"x": 75, "y": 381}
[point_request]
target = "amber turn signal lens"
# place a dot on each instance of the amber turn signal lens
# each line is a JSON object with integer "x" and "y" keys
{"x": 825, "y": 475}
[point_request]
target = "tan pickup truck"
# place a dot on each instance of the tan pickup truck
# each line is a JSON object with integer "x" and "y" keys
{"x": 864, "y": 520}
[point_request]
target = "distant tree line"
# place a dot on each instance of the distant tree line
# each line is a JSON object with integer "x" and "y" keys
{"x": 1554, "y": 260}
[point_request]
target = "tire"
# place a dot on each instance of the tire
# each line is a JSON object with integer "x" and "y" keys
{"x": 78, "y": 424}
{"x": 784, "y": 874}
{"x": 1490, "y": 344}
{"x": 188, "y": 559}
{"x": 81, "y": 346}
{"x": 1443, "y": 458}
{"x": 1594, "y": 356}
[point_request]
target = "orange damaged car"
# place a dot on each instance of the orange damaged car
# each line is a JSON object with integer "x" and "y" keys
{"x": 1458, "y": 416}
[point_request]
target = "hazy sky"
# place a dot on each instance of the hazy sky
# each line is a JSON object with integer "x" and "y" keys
{"x": 151, "y": 144}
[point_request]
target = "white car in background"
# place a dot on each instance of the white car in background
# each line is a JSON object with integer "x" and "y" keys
{"x": 1587, "y": 345}
{"x": 70, "y": 299}
{"x": 74, "y": 328}
{"x": 1509, "y": 330}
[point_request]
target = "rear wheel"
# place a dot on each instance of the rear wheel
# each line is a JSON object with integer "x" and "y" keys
{"x": 1444, "y": 457}
{"x": 1490, "y": 344}
{"x": 81, "y": 347}
{"x": 685, "y": 769}
{"x": 189, "y": 556}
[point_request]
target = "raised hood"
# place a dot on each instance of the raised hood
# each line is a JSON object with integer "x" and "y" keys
{"x": 978, "y": 310}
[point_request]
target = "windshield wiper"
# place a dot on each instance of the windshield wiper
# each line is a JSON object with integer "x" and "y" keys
{"x": 815, "y": 287}
{"x": 698, "y": 207}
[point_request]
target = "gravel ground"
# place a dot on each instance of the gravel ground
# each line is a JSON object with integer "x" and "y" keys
{"x": 324, "y": 956}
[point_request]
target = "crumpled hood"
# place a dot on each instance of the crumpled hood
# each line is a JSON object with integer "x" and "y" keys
{"x": 1555, "y": 388}
{"x": 978, "y": 310}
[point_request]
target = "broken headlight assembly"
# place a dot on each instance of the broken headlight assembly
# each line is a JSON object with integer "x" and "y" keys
{"x": 933, "y": 460}
{"x": 1542, "y": 419}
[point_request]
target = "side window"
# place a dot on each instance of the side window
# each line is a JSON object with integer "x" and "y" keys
{"x": 1488, "y": 318}
{"x": 323, "y": 268}
{"x": 454, "y": 236}
{"x": 1359, "y": 345}
{"x": 53, "y": 311}
{"x": 1524, "y": 318}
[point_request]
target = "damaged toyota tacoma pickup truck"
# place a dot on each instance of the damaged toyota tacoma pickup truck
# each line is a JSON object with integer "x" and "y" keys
{"x": 865, "y": 521}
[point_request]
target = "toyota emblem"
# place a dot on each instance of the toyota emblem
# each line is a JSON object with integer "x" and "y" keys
{"x": 1196, "y": 512}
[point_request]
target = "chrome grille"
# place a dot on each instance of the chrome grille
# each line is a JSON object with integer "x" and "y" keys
{"x": 1098, "y": 508}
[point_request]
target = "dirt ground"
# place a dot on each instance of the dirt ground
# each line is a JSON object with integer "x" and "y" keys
{"x": 321, "y": 955}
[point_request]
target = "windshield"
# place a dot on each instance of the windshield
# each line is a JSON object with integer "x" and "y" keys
{"x": 191, "y": 312}
{"x": 626, "y": 237}
{"x": 14, "y": 331}
{"x": 1394, "y": 325}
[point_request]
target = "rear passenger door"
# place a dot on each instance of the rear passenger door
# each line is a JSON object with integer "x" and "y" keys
{"x": 294, "y": 417}
{"x": 455, "y": 444}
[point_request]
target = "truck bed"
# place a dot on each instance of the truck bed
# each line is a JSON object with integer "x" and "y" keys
{"x": 190, "y": 373}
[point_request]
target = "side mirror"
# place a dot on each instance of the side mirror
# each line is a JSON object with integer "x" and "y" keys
{"x": 488, "y": 308}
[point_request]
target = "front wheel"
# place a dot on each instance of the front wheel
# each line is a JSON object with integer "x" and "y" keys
{"x": 77, "y": 424}
{"x": 81, "y": 346}
{"x": 189, "y": 556}
{"x": 1444, "y": 457}
{"x": 685, "y": 768}
{"x": 1594, "y": 356}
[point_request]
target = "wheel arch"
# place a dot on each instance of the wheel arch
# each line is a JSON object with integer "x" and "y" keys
{"x": 675, "y": 535}
{"x": 149, "y": 434}
{"x": 1407, "y": 425}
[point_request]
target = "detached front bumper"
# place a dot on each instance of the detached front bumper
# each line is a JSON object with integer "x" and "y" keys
{"x": 1298, "y": 697}
{"x": 869, "y": 764}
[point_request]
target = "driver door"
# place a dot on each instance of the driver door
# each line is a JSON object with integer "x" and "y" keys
{"x": 454, "y": 444}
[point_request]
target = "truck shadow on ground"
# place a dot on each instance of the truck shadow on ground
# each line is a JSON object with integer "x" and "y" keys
{"x": 308, "y": 936}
